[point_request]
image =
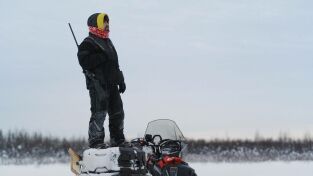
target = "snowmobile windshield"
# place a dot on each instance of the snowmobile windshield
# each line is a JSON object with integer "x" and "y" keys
{"x": 166, "y": 128}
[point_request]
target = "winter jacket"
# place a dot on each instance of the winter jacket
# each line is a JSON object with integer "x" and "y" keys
{"x": 99, "y": 57}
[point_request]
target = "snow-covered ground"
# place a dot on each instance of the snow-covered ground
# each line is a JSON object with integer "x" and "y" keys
{"x": 203, "y": 169}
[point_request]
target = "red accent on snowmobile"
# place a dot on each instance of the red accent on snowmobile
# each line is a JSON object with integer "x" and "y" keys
{"x": 169, "y": 160}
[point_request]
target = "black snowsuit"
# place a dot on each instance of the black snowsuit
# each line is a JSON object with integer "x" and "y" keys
{"x": 99, "y": 60}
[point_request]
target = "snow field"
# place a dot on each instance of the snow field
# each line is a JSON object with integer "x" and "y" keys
{"x": 254, "y": 169}
{"x": 202, "y": 169}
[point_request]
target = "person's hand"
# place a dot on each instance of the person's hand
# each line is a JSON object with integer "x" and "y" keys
{"x": 122, "y": 87}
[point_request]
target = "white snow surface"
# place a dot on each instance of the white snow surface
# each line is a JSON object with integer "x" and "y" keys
{"x": 202, "y": 169}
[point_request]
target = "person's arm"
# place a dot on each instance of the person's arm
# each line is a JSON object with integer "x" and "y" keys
{"x": 88, "y": 56}
{"x": 121, "y": 85}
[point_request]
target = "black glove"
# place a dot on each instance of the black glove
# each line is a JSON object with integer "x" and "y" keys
{"x": 122, "y": 87}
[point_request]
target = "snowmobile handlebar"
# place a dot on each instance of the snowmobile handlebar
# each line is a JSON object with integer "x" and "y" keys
{"x": 160, "y": 147}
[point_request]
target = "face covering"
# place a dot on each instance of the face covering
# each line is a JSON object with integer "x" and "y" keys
{"x": 99, "y": 32}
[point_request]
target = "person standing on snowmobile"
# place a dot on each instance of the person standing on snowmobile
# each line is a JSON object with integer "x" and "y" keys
{"x": 105, "y": 81}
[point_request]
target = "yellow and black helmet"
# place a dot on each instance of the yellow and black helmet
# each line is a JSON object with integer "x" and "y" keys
{"x": 97, "y": 20}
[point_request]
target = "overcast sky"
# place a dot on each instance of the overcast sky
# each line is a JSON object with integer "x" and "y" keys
{"x": 218, "y": 68}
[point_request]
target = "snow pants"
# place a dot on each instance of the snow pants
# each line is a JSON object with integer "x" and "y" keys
{"x": 109, "y": 102}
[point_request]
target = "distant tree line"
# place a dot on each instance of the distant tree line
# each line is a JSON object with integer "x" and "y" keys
{"x": 21, "y": 147}
{"x": 285, "y": 149}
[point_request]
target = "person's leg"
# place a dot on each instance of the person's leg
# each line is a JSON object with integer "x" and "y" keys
{"x": 98, "y": 113}
{"x": 116, "y": 117}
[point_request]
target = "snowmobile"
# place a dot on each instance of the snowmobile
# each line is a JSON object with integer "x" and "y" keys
{"x": 164, "y": 145}
{"x": 159, "y": 153}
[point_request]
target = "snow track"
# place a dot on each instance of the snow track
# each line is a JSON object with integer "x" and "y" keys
{"x": 202, "y": 169}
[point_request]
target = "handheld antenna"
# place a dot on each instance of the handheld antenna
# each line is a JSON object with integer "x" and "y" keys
{"x": 69, "y": 24}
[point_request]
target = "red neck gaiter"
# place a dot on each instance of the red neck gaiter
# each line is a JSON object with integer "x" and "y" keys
{"x": 98, "y": 32}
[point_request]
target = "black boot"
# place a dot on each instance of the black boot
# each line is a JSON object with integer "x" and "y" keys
{"x": 96, "y": 130}
{"x": 100, "y": 146}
